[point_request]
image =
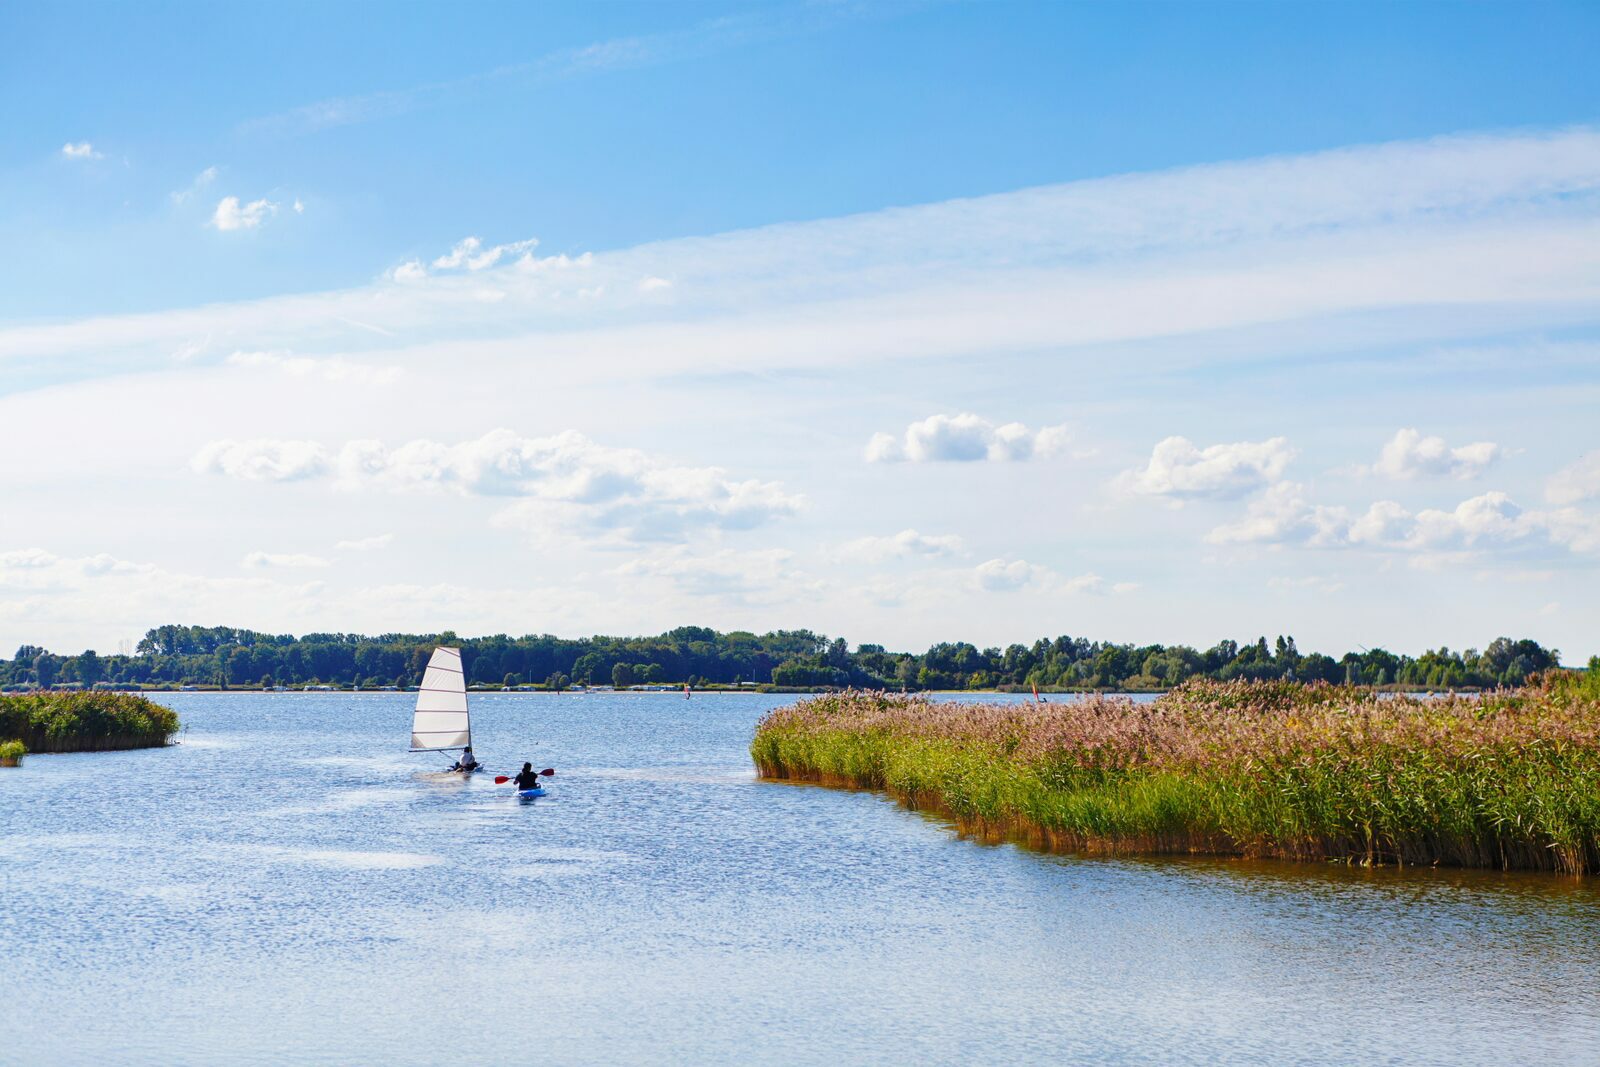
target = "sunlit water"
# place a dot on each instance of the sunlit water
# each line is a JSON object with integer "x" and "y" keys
{"x": 289, "y": 886}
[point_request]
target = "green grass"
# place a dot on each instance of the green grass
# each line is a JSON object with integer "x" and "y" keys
{"x": 85, "y": 722}
{"x": 11, "y": 753}
{"x": 1511, "y": 780}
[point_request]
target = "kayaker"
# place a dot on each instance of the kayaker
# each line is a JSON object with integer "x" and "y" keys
{"x": 528, "y": 779}
{"x": 468, "y": 762}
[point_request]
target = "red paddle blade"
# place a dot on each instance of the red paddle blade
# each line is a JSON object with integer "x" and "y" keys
{"x": 501, "y": 779}
{"x": 549, "y": 772}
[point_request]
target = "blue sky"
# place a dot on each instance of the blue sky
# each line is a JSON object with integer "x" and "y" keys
{"x": 700, "y": 119}
{"x": 877, "y": 318}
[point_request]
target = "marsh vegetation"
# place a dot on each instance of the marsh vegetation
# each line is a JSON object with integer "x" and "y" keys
{"x": 85, "y": 722}
{"x": 1508, "y": 780}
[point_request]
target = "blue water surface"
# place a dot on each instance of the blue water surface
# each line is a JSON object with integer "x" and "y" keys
{"x": 289, "y": 886}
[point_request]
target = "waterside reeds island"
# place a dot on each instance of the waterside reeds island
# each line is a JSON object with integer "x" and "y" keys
{"x": 1509, "y": 780}
{"x": 85, "y": 722}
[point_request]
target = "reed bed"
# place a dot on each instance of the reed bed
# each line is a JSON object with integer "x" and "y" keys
{"x": 85, "y": 722}
{"x": 11, "y": 753}
{"x": 1510, "y": 780}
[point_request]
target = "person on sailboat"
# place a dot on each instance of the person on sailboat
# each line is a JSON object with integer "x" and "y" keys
{"x": 528, "y": 778}
{"x": 467, "y": 763}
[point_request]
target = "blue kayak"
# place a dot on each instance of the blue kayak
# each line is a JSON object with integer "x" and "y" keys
{"x": 536, "y": 791}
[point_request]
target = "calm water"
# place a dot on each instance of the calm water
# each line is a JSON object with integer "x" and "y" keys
{"x": 289, "y": 886}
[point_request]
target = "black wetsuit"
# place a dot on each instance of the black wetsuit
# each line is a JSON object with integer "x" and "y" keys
{"x": 526, "y": 780}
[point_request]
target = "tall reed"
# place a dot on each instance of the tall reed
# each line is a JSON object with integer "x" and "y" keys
{"x": 1274, "y": 769}
{"x": 85, "y": 722}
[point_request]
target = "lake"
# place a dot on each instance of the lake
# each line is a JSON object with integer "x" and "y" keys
{"x": 290, "y": 886}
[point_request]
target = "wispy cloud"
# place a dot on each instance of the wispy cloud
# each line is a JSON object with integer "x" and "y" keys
{"x": 81, "y": 150}
{"x": 907, "y": 544}
{"x": 761, "y": 576}
{"x": 366, "y": 544}
{"x": 202, "y": 181}
{"x": 272, "y": 560}
{"x": 1010, "y": 576}
{"x": 327, "y": 368}
{"x": 705, "y": 38}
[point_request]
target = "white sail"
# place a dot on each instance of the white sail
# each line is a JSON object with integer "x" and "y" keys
{"x": 440, "y": 720}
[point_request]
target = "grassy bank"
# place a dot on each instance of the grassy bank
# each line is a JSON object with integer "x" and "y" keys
{"x": 85, "y": 722}
{"x": 1510, "y": 780}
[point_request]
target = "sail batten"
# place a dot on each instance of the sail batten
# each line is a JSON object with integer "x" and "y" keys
{"x": 440, "y": 720}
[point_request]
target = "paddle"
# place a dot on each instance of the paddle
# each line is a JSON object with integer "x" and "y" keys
{"x": 502, "y": 779}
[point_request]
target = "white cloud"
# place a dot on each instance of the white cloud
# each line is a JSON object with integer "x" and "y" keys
{"x": 654, "y": 285}
{"x": 965, "y": 438}
{"x": 328, "y": 368}
{"x": 1577, "y": 530}
{"x": 262, "y": 460}
{"x": 409, "y": 271}
{"x": 470, "y": 254}
{"x": 80, "y": 150}
{"x": 366, "y": 544}
{"x": 1002, "y": 576}
{"x": 1180, "y": 471}
{"x": 299, "y": 208}
{"x": 1092, "y": 584}
{"x": 1409, "y": 456}
{"x": 907, "y": 544}
{"x": 232, "y": 215}
{"x": 1282, "y": 516}
{"x": 1575, "y": 483}
{"x": 266, "y": 560}
{"x": 570, "y": 485}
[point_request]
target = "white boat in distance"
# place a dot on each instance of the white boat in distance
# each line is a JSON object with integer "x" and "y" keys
{"x": 440, "y": 722}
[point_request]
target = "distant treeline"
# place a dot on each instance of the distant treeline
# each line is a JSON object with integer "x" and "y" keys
{"x": 228, "y": 657}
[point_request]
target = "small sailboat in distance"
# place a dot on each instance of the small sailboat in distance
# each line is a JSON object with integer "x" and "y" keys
{"x": 440, "y": 722}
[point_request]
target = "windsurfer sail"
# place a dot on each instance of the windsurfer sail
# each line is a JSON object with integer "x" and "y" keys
{"x": 440, "y": 722}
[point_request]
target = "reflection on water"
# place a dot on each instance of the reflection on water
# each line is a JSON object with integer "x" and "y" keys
{"x": 289, "y": 886}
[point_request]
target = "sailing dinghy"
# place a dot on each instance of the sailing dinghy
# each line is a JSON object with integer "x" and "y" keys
{"x": 441, "y": 723}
